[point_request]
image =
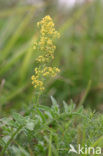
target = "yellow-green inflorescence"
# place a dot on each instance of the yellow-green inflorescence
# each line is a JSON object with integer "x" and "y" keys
{"x": 46, "y": 47}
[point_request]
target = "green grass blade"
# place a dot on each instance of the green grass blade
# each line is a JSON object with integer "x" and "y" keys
{"x": 50, "y": 146}
{"x": 16, "y": 35}
{"x": 17, "y": 55}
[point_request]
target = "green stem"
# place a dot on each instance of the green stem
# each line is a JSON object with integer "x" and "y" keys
{"x": 50, "y": 144}
{"x": 37, "y": 101}
{"x": 86, "y": 93}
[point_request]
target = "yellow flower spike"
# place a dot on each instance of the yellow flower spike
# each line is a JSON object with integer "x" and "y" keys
{"x": 46, "y": 46}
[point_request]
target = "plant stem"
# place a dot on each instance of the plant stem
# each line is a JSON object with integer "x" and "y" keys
{"x": 86, "y": 93}
{"x": 50, "y": 144}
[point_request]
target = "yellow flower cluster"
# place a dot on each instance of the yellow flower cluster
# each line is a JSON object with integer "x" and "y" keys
{"x": 41, "y": 75}
{"x": 50, "y": 71}
{"x": 47, "y": 27}
{"x": 37, "y": 83}
{"x": 46, "y": 46}
{"x": 47, "y": 36}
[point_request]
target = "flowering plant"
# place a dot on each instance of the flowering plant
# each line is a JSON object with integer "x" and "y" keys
{"x": 45, "y": 44}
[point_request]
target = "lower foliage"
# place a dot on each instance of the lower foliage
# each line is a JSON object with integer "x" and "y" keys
{"x": 44, "y": 130}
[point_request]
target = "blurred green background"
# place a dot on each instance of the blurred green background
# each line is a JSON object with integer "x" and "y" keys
{"x": 79, "y": 53}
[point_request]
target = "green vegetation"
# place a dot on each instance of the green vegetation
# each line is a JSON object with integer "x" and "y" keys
{"x": 32, "y": 126}
{"x": 44, "y": 130}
